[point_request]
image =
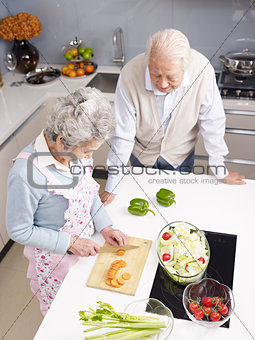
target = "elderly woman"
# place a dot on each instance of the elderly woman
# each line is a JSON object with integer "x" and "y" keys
{"x": 164, "y": 97}
{"x": 51, "y": 211}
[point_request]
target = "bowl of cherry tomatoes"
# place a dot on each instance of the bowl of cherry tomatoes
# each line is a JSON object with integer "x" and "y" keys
{"x": 208, "y": 302}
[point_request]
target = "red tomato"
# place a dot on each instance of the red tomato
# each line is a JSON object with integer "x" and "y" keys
{"x": 201, "y": 259}
{"x": 199, "y": 314}
{"x": 193, "y": 306}
{"x": 215, "y": 316}
{"x": 207, "y": 301}
{"x": 223, "y": 309}
{"x": 166, "y": 257}
{"x": 216, "y": 301}
{"x": 166, "y": 236}
{"x": 207, "y": 310}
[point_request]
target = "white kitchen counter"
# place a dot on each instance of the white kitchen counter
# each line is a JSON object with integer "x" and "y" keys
{"x": 18, "y": 103}
{"x": 209, "y": 206}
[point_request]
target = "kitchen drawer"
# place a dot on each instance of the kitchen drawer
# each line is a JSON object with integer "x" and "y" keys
{"x": 240, "y": 146}
{"x": 201, "y": 166}
{"x": 243, "y": 169}
{"x": 240, "y": 121}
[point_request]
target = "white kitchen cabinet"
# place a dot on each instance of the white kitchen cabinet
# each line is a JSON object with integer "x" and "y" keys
{"x": 240, "y": 139}
{"x": 34, "y": 125}
{"x": 7, "y": 152}
{"x": 24, "y": 135}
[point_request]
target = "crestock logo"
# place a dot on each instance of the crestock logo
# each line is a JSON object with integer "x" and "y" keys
{"x": 75, "y": 170}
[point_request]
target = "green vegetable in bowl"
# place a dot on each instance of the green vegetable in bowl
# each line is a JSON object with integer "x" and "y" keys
{"x": 139, "y": 206}
{"x": 165, "y": 197}
{"x": 188, "y": 252}
{"x": 126, "y": 326}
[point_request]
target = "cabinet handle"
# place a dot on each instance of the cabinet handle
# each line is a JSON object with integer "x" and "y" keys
{"x": 240, "y": 131}
{"x": 240, "y": 112}
{"x": 229, "y": 160}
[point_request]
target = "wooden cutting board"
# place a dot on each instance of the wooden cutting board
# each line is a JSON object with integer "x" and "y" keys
{"x": 135, "y": 260}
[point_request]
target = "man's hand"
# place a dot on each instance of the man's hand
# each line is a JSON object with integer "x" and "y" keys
{"x": 107, "y": 197}
{"x": 233, "y": 178}
{"x": 83, "y": 247}
{"x": 114, "y": 237}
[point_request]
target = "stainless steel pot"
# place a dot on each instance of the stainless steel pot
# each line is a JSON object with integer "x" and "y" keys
{"x": 240, "y": 63}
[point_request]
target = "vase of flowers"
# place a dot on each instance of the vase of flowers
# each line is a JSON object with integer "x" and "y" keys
{"x": 21, "y": 28}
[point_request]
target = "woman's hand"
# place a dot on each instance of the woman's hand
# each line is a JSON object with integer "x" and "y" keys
{"x": 114, "y": 237}
{"x": 107, "y": 197}
{"x": 83, "y": 247}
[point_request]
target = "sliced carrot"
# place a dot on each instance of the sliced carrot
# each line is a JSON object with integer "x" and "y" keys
{"x": 114, "y": 282}
{"x": 116, "y": 262}
{"x": 115, "y": 266}
{"x": 111, "y": 274}
{"x": 108, "y": 282}
{"x": 123, "y": 263}
{"x": 126, "y": 276}
{"x": 120, "y": 281}
{"x": 121, "y": 252}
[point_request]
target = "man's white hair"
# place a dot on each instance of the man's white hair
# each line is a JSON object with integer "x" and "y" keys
{"x": 169, "y": 43}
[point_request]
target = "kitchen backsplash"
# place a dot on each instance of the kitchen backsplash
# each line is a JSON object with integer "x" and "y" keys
{"x": 207, "y": 24}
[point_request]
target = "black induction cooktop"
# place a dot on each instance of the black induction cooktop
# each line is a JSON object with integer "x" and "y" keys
{"x": 220, "y": 268}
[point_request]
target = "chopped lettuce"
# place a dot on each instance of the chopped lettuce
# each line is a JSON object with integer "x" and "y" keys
{"x": 185, "y": 247}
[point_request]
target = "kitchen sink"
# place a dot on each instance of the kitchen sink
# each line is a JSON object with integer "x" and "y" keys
{"x": 105, "y": 82}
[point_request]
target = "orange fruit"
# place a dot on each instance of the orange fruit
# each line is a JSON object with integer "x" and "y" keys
{"x": 81, "y": 64}
{"x": 68, "y": 51}
{"x": 80, "y": 72}
{"x": 64, "y": 69}
{"x": 72, "y": 73}
{"x": 71, "y": 66}
{"x": 67, "y": 72}
{"x": 89, "y": 68}
{"x": 74, "y": 52}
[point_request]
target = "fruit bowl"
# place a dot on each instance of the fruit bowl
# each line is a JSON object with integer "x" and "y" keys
{"x": 212, "y": 289}
{"x": 154, "y": 308}
{"x": 84, "y": 67}
{"x": 183, "y": 252}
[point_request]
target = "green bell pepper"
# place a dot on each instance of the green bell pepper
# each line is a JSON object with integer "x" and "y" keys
{"x": 165, "y": 197}
{"x": 139, "y": 206}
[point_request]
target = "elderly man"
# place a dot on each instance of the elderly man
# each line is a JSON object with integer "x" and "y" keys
{"x": 162, "y": 99}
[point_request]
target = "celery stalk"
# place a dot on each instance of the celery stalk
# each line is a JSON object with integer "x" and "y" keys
{"x": 127, "y": 327}
{"x": 125, "y": 324}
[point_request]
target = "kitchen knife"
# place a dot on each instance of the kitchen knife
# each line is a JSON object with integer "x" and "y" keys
{"x": 112, "y": 249}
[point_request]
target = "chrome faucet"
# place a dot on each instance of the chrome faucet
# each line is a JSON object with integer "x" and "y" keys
{"x": 120, "y": 60}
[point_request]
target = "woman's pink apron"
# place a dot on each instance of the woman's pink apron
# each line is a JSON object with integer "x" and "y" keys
{"x": 47, "y": 270}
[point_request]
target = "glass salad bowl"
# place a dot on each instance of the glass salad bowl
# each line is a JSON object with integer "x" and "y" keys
{"x": 155, "y": 309}
{"x": 215, "y": 291}
{"x": 183, "y": 252}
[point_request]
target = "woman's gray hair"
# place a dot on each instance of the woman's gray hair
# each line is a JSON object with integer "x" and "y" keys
{"x": 82, "y": 116}
{"x": 170, "y": 43}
